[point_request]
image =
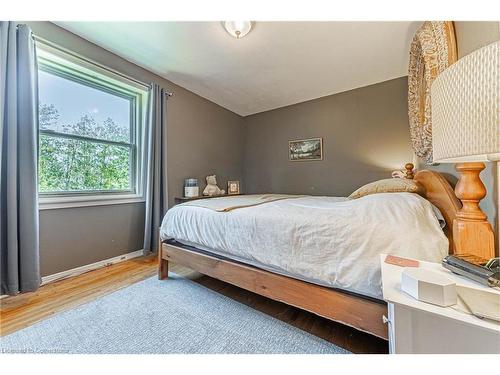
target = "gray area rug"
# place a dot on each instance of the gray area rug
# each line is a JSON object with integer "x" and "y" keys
{"x": 170, "y": 316}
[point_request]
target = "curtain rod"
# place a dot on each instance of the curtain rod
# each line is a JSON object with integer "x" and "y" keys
{"x": 65, "y": 50}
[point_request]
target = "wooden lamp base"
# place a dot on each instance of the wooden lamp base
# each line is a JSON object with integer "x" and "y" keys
{"x": 475, "y": 234}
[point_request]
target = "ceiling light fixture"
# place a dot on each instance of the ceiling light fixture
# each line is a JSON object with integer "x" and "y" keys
{"x": 238, "y": 29}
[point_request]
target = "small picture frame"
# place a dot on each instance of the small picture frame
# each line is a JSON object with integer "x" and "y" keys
{"x": 306, "y": 149}
{"x": 233, "y": 187}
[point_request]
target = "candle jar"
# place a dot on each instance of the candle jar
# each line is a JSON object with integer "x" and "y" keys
{"x": 191, "y": 189}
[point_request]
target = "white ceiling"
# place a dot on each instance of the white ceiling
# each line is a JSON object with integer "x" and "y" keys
{"x": 276, "y": 64}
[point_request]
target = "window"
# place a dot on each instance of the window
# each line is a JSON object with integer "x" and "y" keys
{"x": 90, "y": 132}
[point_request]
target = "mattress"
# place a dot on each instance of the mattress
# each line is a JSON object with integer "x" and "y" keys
{"x": 331, "y": 241}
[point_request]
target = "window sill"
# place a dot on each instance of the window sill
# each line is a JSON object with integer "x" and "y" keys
{"x": 54, "y": 203}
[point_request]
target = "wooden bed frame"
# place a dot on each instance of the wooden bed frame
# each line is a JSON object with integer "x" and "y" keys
{"x": 362, "y": 313}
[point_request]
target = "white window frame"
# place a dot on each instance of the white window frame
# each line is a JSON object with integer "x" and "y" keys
{"x": 60, "y": 62}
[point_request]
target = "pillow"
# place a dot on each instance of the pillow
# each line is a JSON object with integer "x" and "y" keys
{"x": 389, "y": 185}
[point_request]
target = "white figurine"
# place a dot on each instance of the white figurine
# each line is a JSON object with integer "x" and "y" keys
{"x": 212, "y": 189}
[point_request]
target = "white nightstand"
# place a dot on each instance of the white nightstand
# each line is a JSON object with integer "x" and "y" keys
{"x": 418, "y": 327}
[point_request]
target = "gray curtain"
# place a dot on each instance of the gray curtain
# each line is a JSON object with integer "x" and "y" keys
{"x": 19, "y": 257}
{"x": 156, "y": 166}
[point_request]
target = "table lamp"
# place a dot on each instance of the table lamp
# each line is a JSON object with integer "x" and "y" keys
{"x": 465, "y": 102}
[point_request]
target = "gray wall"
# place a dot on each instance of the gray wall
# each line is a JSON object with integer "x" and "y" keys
{"x": 470, "y": 37}
{"x": 365, "y": 135}
{"x": 203, "y": 138}
{"x": 73, "y": 237}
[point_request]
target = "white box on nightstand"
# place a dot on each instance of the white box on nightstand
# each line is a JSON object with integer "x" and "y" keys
{"x": 428, "y": 286}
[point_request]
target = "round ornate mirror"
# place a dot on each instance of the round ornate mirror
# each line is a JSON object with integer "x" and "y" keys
{"x": 432, "y": 50}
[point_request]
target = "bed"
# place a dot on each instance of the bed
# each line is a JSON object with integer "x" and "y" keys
{"x": 329, "y": 241}
{"x": 320, "y": 254}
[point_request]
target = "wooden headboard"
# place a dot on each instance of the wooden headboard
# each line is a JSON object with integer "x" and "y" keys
{"x": 440, "y": 193}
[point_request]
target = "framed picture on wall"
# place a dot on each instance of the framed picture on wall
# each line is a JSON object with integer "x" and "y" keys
{"x": 306, "y": 149}
{"x": 233, "y": 187}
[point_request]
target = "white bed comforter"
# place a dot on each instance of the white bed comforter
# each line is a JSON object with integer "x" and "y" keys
{"x": 327, "y": 240}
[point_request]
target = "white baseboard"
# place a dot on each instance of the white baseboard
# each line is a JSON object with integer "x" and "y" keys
{"x": 89, "y": 267}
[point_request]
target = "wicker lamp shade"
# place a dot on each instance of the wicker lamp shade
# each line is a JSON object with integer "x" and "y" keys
{"x": 466, "y": 108}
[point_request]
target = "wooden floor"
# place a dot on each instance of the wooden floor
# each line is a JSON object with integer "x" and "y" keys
{"x": 21, "y": 311}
